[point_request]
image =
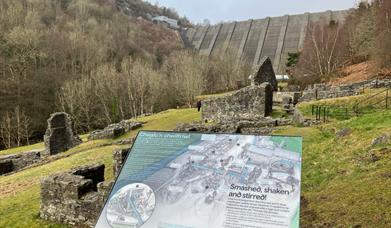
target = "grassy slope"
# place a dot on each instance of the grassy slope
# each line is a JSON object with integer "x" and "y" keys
{"x": 19, "y": 192}
{"x": 21, "y": 149}
{"x": 342, "y": 186}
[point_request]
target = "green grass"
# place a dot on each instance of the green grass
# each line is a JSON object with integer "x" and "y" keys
{"x": 166, "y": 120}
{"x": 278, "y": 112}
{"x": 207, "y": 96}
{"x": 341, "y": 185}
{"x": 22, "y": 149}
{"x": 36, "y": 146}
{"x": 20, "y": 192}
{"x": 344, "y": 102}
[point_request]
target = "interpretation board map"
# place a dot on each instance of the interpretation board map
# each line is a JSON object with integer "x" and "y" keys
{"x": 196, "y": 180}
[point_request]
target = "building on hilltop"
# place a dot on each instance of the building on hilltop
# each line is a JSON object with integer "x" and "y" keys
{"x": 163, "y": 20}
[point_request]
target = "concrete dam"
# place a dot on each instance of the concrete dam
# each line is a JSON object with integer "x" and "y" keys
{"x": 252, "y": 40}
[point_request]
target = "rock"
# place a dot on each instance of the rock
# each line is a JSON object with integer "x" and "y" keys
{"x": 343, "y": 132}
{"x": 105, "y": 187}
{"x": 383, "y": 139}
{"x": 298, "y": 118}
{"x": 373, "y": 157}
{"x": 249, "y": 101}
{"x": 128, "y": 141}
{"x": 114, "y": 130}
{"x": 59, "y": 135}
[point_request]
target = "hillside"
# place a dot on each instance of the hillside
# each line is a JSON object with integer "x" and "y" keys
{"x": 359, "y": 72}
{"x": 342, "y": 173}
{"x": 140, "y": 8}
{"x": 46, "y": 44}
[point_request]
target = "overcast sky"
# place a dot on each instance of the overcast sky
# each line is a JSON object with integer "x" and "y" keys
{"x": 237, "y": 10}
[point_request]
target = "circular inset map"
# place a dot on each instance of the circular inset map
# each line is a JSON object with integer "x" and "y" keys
{"x": 131, "y": 206}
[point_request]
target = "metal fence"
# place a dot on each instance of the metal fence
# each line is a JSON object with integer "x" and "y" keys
{"x": 379, "y": 100}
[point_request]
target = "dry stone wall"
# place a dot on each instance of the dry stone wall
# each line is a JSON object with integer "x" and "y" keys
{"x": 252, "y": 125}
{"x": 324, "y": 91}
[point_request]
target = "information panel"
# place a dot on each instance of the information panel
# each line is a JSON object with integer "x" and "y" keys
{"x": 194, "y": 180}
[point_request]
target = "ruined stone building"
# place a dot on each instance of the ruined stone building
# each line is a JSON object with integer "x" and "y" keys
{"x": 251, "y": 101}
{"x": 59, "y": 136}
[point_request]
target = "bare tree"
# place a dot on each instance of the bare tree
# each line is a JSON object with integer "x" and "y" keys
{"x": 6, "y": 130}
{"x": 322, "y": 54}
{"x": 14, "y": 128}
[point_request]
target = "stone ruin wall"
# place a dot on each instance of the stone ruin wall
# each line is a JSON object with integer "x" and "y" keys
{"x": 252, "y": 40}
{"x": 264, "y": 72}
{"x": 77, "y": 197}
{"x": 254, "y": 100}
{"x": 324, "y": 91}
{"x": 15, "y": 162}
{"x": 114, "y": 130}
{"x": 119, "y": 157}
{"x": 59, "y": 136}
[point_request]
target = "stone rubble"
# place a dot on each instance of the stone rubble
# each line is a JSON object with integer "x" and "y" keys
{"x": 114, "y": 130}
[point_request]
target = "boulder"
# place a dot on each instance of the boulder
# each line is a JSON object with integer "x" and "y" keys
{"x": 343, "y": 132}
{"x": 383, "y": 139}
{"x": 298, "y": 118}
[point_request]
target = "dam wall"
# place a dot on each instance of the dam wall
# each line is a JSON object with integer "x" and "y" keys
{"x": 252, "y": 40}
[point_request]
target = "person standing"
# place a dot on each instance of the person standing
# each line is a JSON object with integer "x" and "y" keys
{"x": 199, "y": 104}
